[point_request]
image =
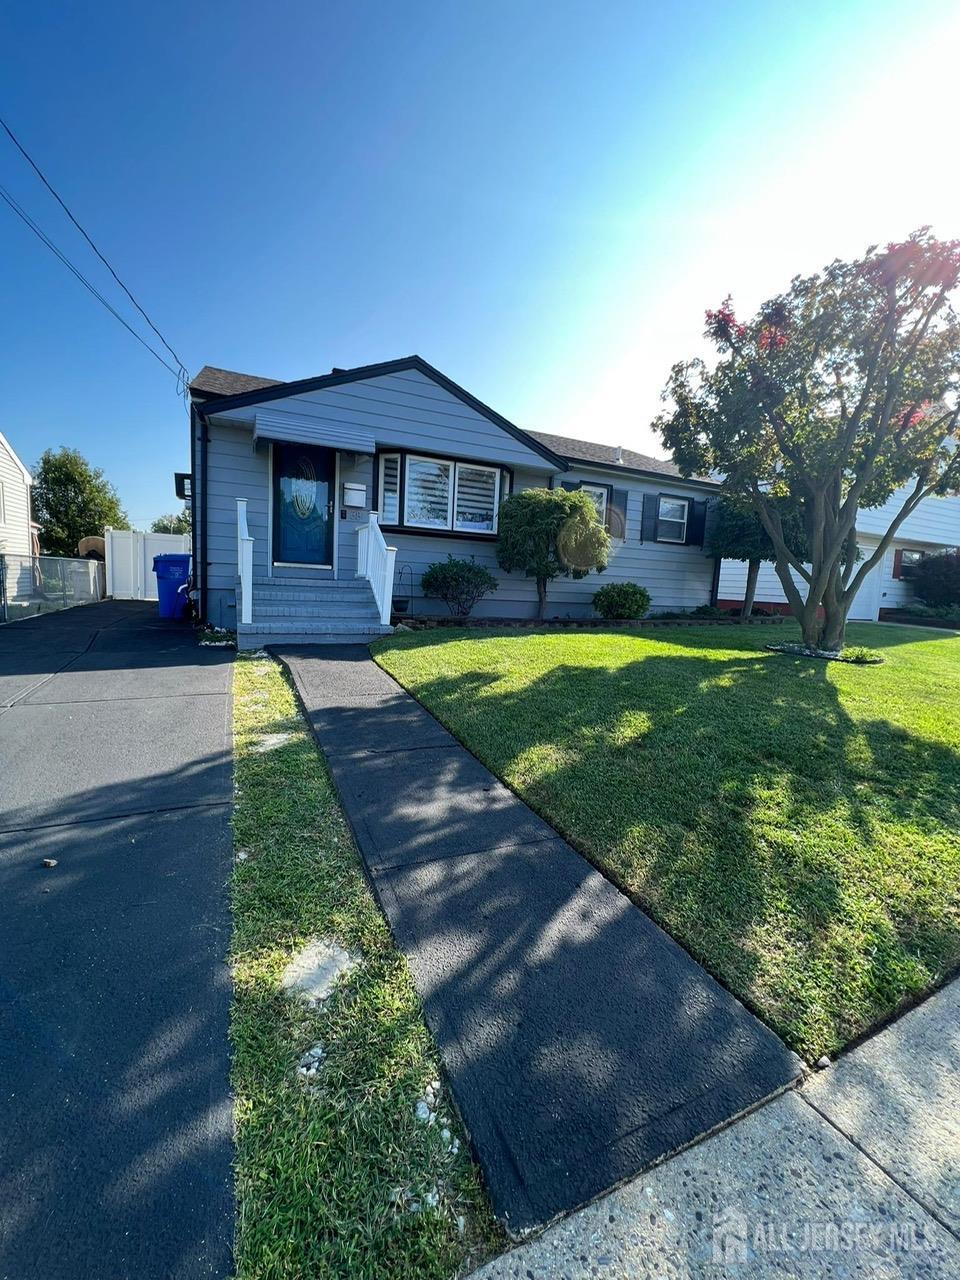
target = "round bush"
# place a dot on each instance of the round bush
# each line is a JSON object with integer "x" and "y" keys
{"x": 936, "y": 579}
{"x": 621, "y": 600}
{"x": 458, "y": 583}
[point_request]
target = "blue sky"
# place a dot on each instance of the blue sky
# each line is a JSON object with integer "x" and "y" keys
{"x": 539, "y": 199}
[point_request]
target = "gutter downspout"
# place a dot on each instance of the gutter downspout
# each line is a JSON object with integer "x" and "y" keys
{"x": 200, "y": 526}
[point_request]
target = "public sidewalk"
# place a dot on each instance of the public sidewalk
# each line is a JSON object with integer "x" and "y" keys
{"x": 855, "y": 1174}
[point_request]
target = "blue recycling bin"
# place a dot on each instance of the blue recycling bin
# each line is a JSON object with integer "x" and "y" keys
{"x": 172, "y": 572}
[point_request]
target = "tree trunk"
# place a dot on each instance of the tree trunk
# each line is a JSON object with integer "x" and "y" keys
{"x": 541, "y": 597}
{"x": 834, "y": 625}
{"x": 750, "y": 591}
{"x": 811, "y": 627}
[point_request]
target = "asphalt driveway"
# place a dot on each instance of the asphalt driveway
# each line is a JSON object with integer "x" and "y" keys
{"x": 115, "y": 760}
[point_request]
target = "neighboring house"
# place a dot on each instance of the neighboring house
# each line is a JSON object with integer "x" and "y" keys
{"x": 285, "y": 476}
{"x": 18, "y": 533}
{"x": 934, "y": 526}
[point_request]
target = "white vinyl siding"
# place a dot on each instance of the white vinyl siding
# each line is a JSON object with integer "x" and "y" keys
{"x": 14, "y": 505}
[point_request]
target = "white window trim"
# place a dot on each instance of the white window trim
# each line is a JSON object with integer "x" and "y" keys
{"x": 604, "y": 493}
{"x": 666, "y": 497}
{"x": 496, "y": 472}
{"x": 502, "y": 490}
{"x": 437, "y": 462}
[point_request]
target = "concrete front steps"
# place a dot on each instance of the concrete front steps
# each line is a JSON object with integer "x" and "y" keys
{"x": 299, "y": 609}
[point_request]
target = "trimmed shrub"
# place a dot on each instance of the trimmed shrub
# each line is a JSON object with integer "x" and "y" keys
{"x": 618, "y": 601}
{"x": 861, "y": 656}
{"x": 458, "y": 583}
{"x": 936, "y": 579}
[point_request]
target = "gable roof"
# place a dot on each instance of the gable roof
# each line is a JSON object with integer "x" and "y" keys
{"x": 211, "y": 381}
{"x": 5, "y": 444}
{"x": 268, "y": 391}
{"x": 220, "y": 389}
{"x": 612, "y": 458}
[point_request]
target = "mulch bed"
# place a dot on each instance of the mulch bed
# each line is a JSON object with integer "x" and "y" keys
{"x": 421, "y": 623}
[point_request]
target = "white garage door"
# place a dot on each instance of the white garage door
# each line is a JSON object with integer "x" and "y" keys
{"x": 866, "y": 603}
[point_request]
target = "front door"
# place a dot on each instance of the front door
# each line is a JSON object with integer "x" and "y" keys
{"x": 303, "y": 504}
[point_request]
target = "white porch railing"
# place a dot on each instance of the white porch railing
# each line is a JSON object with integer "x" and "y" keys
{"x": 244, "y": 562}
{"x": 375, "y": 563}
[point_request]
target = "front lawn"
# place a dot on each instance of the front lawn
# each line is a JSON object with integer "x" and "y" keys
{"x": 336, "y": 1176}
{"x": 794, "y": 823}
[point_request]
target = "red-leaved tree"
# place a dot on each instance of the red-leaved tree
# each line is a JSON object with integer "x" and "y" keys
{"x": 838, "y": 394}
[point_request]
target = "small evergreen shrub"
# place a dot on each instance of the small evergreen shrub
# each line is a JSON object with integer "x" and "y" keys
{"x": 619, "y": 601}
{"x": 458, "y": 583}
{"x": 942, "y": 612}
{"x": 936, "y": 580}
{"x": 861, "y": 656}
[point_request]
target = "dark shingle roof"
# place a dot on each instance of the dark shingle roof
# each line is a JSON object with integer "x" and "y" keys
{"x": 211, "y": 381}
{"x": 604, "y": 455}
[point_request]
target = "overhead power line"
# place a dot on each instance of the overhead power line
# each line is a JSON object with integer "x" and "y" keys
{"x": 41, "y": 235}
{"x": 181, "y": 372}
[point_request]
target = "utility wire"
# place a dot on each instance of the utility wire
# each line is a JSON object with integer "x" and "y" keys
{"x": 41, "y": 235}
{"x": 182, "y": 374}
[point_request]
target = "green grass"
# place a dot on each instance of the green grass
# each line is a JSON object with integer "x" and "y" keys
{"x": 794, "y": 823}
{"x": 317, "y": 1166}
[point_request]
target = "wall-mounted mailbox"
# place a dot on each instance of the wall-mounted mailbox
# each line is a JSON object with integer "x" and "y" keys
{"x": 354, "y": 495}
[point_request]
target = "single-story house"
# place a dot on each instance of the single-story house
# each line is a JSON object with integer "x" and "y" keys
{"x": 933, "y": 527}
{"x": 18, "y": 532}
{"x": 285, "y": 477}
{"x": 318, "y": 504}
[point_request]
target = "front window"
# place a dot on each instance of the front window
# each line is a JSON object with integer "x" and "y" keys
{"x": 672, "y": 519}
{"x": 598, "y": 492}
{"x": 440, "y": 493}
{"x": 428, "y": 496}
{"x": 390, "y": 488}
{"x": 475, "y": 504}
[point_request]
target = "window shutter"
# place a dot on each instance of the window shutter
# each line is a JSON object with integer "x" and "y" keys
{"x": 898, "y": 563}
{"x": 696, "y": 522}
{"x": 617, "y": 513}
{"x": 570, "y": 485}
{"x": 648, "y": 522}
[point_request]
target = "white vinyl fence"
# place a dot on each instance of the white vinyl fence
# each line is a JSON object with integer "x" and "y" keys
{"x": 129, "y": 555}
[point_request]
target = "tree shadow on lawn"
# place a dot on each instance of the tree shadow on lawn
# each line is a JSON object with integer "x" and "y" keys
{"x": 808, "y": 859}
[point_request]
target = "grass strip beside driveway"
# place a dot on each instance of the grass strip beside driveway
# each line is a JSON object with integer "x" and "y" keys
{"x": 794, "y": 823}
{"x": 334, "y": 1178}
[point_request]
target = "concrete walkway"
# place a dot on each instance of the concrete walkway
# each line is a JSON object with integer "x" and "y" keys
{"x": 581, "y": 1043}
{"x": 115, "y": 760}
{"x": 855, "y": 1174}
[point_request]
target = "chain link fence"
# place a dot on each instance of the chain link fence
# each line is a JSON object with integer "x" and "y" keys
{"x": 43, "y": 584}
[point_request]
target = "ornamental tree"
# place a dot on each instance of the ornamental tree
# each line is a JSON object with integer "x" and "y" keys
{"x": 72, "y": 500}
{"x": 736, "y": 532}
{"x": 839, "y": 393}
{"x": 548, "y": 533}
